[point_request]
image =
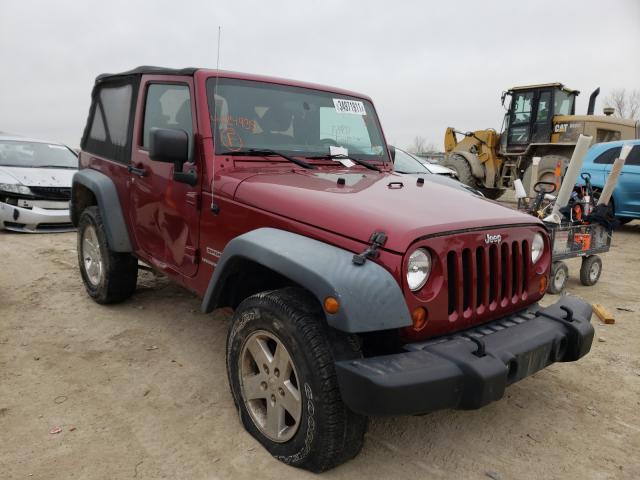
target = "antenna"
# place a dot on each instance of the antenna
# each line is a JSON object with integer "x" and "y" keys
{"x": 218, "y": 60}
{"x": 215, "y": 86}
{"x": 215, "y": 208}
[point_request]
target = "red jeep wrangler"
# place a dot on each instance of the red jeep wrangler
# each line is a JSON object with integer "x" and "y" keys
{"x": 356, "y": 291}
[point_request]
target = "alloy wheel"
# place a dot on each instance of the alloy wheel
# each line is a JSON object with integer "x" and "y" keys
{"x": 270, "y": 386}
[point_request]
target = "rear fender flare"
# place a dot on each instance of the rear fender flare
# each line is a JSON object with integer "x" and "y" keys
{"x": 369, "y": 296}
{"x": 108, "y": 201}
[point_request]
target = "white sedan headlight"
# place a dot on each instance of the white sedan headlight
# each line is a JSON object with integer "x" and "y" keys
{"x": 418, "y": 269}
{"x": 537, "y": 247}
{"x": 13, "y": 188}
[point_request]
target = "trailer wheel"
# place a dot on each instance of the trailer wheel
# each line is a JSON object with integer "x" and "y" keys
{"x": 590, "y": 270}
{"x": 559, "y": 276}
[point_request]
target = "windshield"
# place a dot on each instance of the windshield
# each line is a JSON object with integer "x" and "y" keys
{"x": 406, "y": 163}
{"x": 36, "y": 155}
{"x": 293, "y": 120}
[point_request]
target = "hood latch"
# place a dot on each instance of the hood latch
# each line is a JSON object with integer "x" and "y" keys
{"x": 377, "y": 240}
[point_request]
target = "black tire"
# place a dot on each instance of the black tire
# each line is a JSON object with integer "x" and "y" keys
{"x": 462, "y": 168}
{"x": 327, "y": 432}
{"x": 558, "y": 277}
{"x": 624, "y": 220}
{"x": 590, "y": 270}
{"x": 118, "y": 273}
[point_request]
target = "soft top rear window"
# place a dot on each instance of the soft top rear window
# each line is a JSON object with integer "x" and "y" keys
{"x": 108, "y": 130}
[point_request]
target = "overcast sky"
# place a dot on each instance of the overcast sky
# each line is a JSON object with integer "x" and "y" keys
{"x": 427, "y": 65}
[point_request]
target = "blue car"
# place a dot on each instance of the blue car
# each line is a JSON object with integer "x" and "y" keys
{"x": 626, "y": 196}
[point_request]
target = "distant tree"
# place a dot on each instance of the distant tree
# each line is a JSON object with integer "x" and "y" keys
{"x": 625, "y": 104}
{"x": 420, "y": 146}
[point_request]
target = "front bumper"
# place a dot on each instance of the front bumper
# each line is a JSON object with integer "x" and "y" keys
{"x": 469, "y": 369}
{"x": 35, "y": 219}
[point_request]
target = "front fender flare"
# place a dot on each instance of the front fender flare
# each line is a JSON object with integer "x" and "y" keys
{"x": 106, "y": 195}
{"x": 370, "y": 298}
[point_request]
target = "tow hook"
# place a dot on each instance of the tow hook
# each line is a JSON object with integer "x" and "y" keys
{"x": 377, "y": 240}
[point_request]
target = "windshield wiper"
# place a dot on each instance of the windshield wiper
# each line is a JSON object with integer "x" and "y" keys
{"x": 55, "y": 166}
{"x": 341, "y": 156}
{"x": 270, "y": 153}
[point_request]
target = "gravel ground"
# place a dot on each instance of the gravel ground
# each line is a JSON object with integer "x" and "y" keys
{"x": 140, "y": 389}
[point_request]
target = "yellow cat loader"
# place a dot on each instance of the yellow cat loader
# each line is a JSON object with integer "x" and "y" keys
{"x": 540, "y": 122}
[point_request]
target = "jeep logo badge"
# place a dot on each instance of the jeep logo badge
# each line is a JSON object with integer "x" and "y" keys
{"x": 492, "y": 238}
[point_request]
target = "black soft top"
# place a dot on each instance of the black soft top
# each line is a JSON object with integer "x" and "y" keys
{"x": 146, "y": 69}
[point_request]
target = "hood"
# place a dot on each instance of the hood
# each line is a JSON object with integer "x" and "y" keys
{"x": 37, "y": 177}
{"x": 370, "y": 201}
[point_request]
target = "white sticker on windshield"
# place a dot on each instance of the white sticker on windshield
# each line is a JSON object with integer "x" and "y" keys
{"x": 349, "y": 106}
{"x": 334, "y": 150}
{"x": 59, "y": 147}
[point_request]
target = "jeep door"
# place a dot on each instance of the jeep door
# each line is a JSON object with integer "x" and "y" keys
{"x": 627, "y": 192}
{"x": 600, "y": 166}
{"x": 164, "y": 211}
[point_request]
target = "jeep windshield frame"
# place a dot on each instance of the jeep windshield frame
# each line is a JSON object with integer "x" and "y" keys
{"x": 297, "y": 121}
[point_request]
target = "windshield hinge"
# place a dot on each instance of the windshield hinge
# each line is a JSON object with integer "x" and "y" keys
{"x": 377, "y": 240}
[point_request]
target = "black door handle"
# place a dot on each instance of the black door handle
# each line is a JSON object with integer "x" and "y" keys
{"x": 141, "y": 172}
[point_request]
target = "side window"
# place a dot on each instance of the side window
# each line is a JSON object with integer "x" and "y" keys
{"x": 607, "y": 157}
{"x": 522, "y": 107}
{"x": 167, "y": 106}
{"x": 607, "y": 135}
{"x": 108, "y": 132}
{"x": 634, "y": 156}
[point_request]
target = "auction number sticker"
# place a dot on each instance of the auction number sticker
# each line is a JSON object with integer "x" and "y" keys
{"x": 349, "y": 106}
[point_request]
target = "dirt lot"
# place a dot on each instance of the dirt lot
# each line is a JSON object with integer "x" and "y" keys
{"x": 140, "y": 389}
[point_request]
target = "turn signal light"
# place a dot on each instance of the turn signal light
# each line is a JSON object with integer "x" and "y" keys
{"x": 331, "y": 305}
{"x": 419, "y": 317}
{"x": 543, "y": 285}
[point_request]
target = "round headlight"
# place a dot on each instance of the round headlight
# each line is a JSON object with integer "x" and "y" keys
{"x": 418, "y": 269}
{"x": 537, "y": 247}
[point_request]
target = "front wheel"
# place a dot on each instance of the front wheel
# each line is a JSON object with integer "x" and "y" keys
{"x": 280, "y": 363}
{"x": 462, "y": 168}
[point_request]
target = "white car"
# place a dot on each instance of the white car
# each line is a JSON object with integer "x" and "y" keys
{"x": 35, "y": 184}
{"x": 404, "y": 162}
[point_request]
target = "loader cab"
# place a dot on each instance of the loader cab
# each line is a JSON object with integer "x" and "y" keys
{"x": 530, "y": 112}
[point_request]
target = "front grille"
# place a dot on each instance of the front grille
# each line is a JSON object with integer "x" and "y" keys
{"x": 486, "y": 277}
{"x": 51, "y": 193}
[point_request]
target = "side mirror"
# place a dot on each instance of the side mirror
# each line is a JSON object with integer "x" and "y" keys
{"x": 171, "y": 146}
